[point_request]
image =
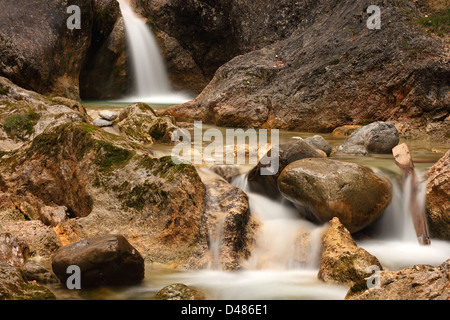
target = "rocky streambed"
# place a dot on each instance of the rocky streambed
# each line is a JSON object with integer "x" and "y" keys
{"x": 108, "y": 198}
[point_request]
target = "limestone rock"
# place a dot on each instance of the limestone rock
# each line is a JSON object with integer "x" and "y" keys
{"x": 108, "y": 115}
{"x": 100, "y": 122}
{"x": 52, "y": 216}
{"x": 33, "y": 271}
{"x": 318, "y": 142}
{"x": 13, "y": 250}
{"x": 179, "y": 291}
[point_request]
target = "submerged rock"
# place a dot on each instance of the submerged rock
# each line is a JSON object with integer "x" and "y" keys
{"x": 342, "y": 260}
{"x": 179, "y": 291}
{"x": 323, "y": 188}
{"x": 438, "y": 199}
{"x": 378, "y": 137}
{"x": 419, "y": 282}
{"x": 33, "y": 271}
{"x": 103, "y": 260}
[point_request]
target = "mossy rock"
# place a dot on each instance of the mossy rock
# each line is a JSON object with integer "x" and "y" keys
{"x": 179, "y": 291}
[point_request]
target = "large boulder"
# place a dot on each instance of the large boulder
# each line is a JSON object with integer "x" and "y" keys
{"x": 438, "y": 199}
{"x": 378, "y": 137}
{"x": 329, "y": 71}
{"x": 342, "y": 261}
{"x": 419, "y": 282}
{"x": 103, "y": 260}
{"x": 323, "y": 188}
{"x": 13, "y": 286}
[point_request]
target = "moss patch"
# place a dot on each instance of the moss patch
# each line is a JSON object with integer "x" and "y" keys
{"x": 21, "y": 125}
{"x": 4, "y": 91}
{"x": 438, "y": 23}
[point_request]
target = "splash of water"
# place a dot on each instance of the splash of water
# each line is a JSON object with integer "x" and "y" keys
{"x": 150, "y": 75}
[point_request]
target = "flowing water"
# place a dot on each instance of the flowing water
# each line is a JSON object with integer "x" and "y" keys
{"x": 279, "y": 268}
{"x": 150, "y": 75}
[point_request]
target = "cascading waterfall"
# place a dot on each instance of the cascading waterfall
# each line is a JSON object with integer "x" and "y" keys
{"x": 150, "y": 75}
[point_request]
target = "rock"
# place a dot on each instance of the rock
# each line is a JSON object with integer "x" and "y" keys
{"x": 108, "y": 115}
{"x": 318, "y": 142}
{"x": 420, "y": 282}
{"x": 286, "y": 153}
{"x": 14, "y": 287}
{"x": 226, "y": 171}
{"x": 438, "y": 199}
{"x": 103, "y": 260}
{"x": 179, "y": 291}
{"x": 229, "y": 228}
{"x": 102, "y": 123}
{"x": 33, "y": 271}
{"x": 140, "y": 123}
{"x": 323, "y": 188}
{"x": 315, "y": 76}
{"x": 52, "y": 216}
{"x": 342, "y": 261}
{"x": 40, "y": 53}
{"x": 26, "y": 114}
{"x": 346, "y": 130}
{"x": 13, "y": 250}
{"x": 111, "y": 185}
{"x": 378, "y": 137}
{"x": 41, "y": 240}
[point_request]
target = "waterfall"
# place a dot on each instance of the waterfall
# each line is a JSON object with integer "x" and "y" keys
{"x": 150, "y": 76}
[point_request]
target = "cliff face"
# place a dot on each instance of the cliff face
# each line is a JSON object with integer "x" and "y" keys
{"x": 332, "y": 70}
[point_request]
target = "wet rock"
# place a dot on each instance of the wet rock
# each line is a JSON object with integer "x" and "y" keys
{"x": 13, "y": 250}
{"x": 438, "y": 199}
{"x": 33, "y": 271}
{"x": 229, "y": 228}
{"x": 420, "y": 282}
{"x": 342, "y": 260}
{"x": 179, "y": 291}
{"x": 103, "y": 260}
{"x": 14, "y": 287}
{"x": 318, "y": 142}
{"x": 323, "y": 188}
{"x": 378, "y": 137}
{"x": 226, "y": 171}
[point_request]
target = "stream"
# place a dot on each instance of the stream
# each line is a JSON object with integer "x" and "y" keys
{"x": 271, "y": 273}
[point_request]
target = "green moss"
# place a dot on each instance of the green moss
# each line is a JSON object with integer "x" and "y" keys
{"x": 4, "y": 91}
{"x": 438, "y": 23}
{"x": 111, "y": 156}
{"x": 21, "y": 125}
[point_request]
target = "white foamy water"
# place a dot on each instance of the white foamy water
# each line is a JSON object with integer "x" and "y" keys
{"x": 150, "y": 76}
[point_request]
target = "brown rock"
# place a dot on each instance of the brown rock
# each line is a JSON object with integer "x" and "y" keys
{"x": 342, "y": 260}
{"x": 438, "y": 199}
{"x": 13, "y": 250}
{"x": 420, "y": 282}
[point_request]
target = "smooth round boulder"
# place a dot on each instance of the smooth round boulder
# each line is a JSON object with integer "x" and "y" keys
{"x": 322, "y": 189}
{"x": 103, "y": 260}
{"x": 377, "y": 138}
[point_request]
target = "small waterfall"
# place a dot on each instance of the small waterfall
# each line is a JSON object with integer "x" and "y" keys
{"x": 150, "y": 75}
{"x": 215, "y": 242}
{"x": 285, "y": 241}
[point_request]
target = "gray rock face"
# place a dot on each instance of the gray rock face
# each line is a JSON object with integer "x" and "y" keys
{"x": 323, "y": 188}
{"x": 103, "y": 260}
{"x": 13, "y": 250}
{"x": 102, "y": 123}
{"x": 331, "y": 71}
{"x": 318, "y": 142}
{"x": 378, "y": 137}
{"x": 108, "y": 115}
